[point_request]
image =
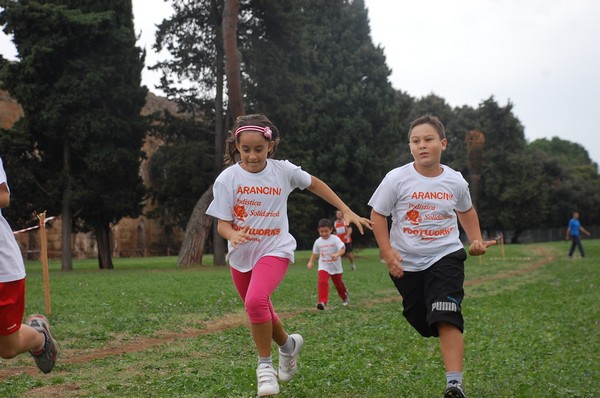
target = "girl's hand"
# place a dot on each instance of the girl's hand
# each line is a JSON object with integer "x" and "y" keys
{"x": 479, "y": 247}
{"x": 360, "y": 222}
{"x": 240, "y": 237}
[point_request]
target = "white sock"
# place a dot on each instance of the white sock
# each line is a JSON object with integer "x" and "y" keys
{"x": 289, "y": 346}
{"x": 451, "y": 376}
{"x": 265, "y": 360}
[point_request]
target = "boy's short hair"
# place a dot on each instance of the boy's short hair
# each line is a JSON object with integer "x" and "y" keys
{"x": 433, "y": 121}
{"x": 325, "y": 222}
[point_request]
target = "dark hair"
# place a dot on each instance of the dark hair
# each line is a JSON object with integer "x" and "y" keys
{"x": 325, "y": 222}
{"x": 257, "y": 119}
{"x": 433, "y": 121}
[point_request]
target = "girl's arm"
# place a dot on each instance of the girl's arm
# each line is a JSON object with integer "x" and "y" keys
{"x": 323, "y": 191}
{"x": 470, "y": 223}
{"x": 225, "y": 229}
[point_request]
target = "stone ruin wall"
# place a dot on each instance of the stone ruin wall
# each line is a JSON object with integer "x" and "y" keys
{"x": 131, "y": 237}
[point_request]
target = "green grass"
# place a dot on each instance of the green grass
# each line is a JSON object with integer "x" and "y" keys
{"x": 532, "y": 329}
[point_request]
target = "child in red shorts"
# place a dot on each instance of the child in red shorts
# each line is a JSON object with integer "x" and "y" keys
{"x": 16, "y": 338}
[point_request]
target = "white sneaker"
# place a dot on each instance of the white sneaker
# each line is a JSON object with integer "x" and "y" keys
{"x": 288, "y": 363}
{"x": 267, "y": 380}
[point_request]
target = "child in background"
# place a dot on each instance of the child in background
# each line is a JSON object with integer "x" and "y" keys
{"x": 422, "y": 251}
{"x": 16, "y": 338}
{"x": 330, "y": 249}
{"x": 250, "y": 204}
{"x": 344, "y": 231}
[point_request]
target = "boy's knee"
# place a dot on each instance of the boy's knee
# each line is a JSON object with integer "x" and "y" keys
{"x": 8, "y": 352}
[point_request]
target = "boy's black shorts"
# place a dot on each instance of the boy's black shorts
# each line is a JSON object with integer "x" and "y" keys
{"x": 435, "y": 294}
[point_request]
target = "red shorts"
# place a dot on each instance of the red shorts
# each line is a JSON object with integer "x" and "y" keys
{"x": 12, "y": 306}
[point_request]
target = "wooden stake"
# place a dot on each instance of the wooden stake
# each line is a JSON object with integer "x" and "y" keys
{"x": 502, "y": 245}
{"x": 44, "y": 258}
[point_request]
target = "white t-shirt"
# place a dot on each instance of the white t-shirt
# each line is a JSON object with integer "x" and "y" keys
{"x": 258, "y": 200}
{"x": 12, "y": 267}
{"x": 325, "y": 248}
{"x": 424, "y": 223}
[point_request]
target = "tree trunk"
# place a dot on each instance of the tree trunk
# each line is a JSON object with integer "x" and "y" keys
{"x": 219, "y": 247}
{"x": 232, "y": 58}
{"x": 104, "y": 250}
{"x": 67, "y": 260}
{"x": 198, "y": 227}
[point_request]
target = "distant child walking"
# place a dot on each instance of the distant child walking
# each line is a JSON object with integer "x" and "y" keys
{"x": 329, "y": 249}
{"x": 422, "y": 251}
{"x": 573, "y": 231}
{"x": 250, "y": 203}
{"x": 17, "y": 338}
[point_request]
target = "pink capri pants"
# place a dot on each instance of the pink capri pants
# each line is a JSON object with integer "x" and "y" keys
{"x": 256, "y": 286}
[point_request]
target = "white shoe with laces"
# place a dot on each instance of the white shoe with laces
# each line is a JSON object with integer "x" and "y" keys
{"x": 267, "y": 380}
{"x": 288, "y": 363}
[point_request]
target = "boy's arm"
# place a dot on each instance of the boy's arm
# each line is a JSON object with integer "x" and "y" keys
{"x": 323, "y": 191}
{"x": 339, "y": 253}
{"x": 585, "y": 231}
{"x": 311, "y": 260}
{"x": 470, "y": 223}
{"x": 391, "y": 257}
{"x": 4, "y": 196}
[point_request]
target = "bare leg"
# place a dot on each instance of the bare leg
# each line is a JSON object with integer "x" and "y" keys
{"x": 25, "y": 339}
{"x": 263, "y": 334}
{"x": 451, "y": 347}
{"x": 279, "y": 334}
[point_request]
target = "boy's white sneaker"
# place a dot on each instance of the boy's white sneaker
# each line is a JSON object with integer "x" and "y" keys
{"x": 267, "y": 380}
{"x": 288, "y": 363}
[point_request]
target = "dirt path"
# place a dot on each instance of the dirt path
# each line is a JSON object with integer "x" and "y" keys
{"x": 229, "y": 321}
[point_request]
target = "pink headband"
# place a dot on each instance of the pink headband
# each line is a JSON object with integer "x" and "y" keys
{"x": 265, "y": 130}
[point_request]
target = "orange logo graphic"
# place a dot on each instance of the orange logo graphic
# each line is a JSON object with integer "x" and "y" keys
{"x": 240, "y": 212}
{"x": 413, "y": 217}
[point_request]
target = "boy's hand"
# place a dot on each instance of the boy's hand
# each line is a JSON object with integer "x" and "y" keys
{"x": 393, "y": 260}
{"x": 310, "y": 265}
{"x": 479, "y": 247}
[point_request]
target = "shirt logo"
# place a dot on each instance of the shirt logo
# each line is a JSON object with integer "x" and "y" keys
{"x": 413, "y": 217}
{"x": 240, "y": 212}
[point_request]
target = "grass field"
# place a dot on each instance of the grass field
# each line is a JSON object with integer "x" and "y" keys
{"x": 151, "y": 329}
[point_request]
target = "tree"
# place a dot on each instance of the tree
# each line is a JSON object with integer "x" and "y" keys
{"x": 194, "y": 38}
{"x": 78, "y": 80}
{"x": 326, "y": 87}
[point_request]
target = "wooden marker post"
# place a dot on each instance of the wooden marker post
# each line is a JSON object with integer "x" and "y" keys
{"x": 44, "y": 258}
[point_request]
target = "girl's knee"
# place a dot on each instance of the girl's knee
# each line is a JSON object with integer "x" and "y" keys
{"x": 258, "y": 309}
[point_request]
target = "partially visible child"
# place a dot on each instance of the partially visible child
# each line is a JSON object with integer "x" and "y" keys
{"x": 330, "y": 249}
{"x": 344, "y": 231}
{"x": 17, "y": 338}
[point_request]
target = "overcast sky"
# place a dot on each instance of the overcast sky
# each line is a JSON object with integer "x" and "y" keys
{"x": 541, "y": 55}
